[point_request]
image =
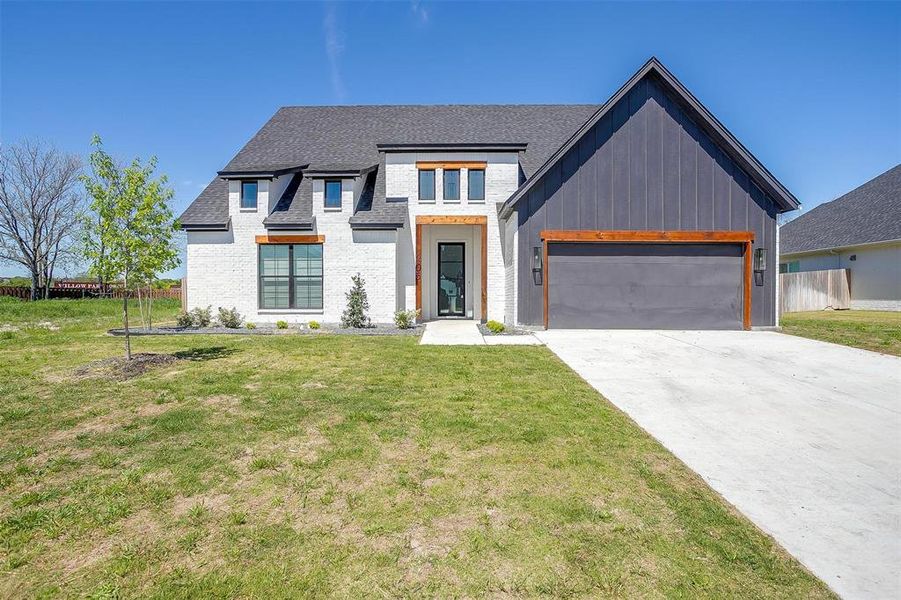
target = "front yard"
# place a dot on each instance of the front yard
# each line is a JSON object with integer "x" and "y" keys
{"x": 867, "y": 329}
{"x": 289, "y": 466}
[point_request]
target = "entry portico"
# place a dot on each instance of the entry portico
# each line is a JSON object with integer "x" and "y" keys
{"x": 452, "y": 266}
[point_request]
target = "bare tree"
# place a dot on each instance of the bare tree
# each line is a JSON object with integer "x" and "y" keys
{"x": 39, "y": 205}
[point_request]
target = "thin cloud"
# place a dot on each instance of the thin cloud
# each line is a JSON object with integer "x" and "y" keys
{"x": 419, "y": 11}
{"x": 334, "y": 47}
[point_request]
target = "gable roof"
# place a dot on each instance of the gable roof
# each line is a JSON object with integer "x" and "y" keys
{"x": 326, "y": 138}
{"x": 705, "y": 119}
{"x": 868, "y": 214}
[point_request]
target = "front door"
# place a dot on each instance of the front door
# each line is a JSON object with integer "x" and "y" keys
{"x": 451, "y": 280}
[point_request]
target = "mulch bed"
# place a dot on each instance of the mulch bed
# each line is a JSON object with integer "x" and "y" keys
{"x": 328, "y": 329}
{"x": 119, "y": 368}
{"x": 483, "y": 329}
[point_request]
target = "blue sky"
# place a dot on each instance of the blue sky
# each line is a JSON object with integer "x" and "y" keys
{"x": 812, "y": 89}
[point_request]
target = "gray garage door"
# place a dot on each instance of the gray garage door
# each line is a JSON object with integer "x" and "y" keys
{"x": 644, "y": 286}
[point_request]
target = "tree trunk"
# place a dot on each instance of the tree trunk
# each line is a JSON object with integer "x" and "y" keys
{"x": 35, "y": 286}
{"x": 125, "y": 316}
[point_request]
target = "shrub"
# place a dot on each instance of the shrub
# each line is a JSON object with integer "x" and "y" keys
{"x": 281, "y": 324}
{"x": 495, "y": 326}
{"x": 230, "y": 318}
{"x": 184, "y": 320}
{"x": 404, "y": 319}
{"x": 357, "y": 305}
{"x": 313, "y": 325}
{"x": 201, "y": 317}
{"x": 250, "y": 325}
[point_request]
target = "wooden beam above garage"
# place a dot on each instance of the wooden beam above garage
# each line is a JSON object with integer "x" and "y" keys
{"x": 727, "y": 237}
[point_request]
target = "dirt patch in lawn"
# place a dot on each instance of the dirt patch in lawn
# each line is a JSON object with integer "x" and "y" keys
{"x": 121, "y": 369}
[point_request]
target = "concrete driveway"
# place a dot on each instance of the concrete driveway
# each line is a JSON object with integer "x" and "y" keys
{"x": 803, "y": 437}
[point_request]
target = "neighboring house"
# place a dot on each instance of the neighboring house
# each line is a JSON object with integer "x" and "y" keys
{"x": 641, "y": 212}
{"x": 861, "y": 232}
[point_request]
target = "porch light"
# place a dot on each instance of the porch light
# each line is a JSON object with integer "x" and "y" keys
{"x": 760, "y": 259}
{"x": 536, "y": 259}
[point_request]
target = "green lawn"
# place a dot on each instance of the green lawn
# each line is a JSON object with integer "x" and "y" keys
{"x": 286, "y": 466}
{"x": 867, "y": 329}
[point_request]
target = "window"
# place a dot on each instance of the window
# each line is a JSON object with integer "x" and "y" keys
{"x": 333, "y": 194}
{"x": 476, "y": 184}
{"x": 790, "y": 267}
{"x": 452, "y": 184}
{"x": 427, "y": 184}
{"x": 248, "y": 194}
{"x": 291, "y": 276}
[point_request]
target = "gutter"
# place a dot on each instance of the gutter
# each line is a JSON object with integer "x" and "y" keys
{"x": 837, "y": 249}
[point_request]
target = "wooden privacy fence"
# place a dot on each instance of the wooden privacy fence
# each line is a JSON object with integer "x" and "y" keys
{"x": 24, "y": 293}
{"x": 815, "y": 290}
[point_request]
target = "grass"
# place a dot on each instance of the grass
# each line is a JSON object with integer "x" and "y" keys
{"x": 867, "y": 329}
{"x": 292, "y": 466}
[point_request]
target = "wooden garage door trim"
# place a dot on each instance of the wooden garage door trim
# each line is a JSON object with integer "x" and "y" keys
{"x": 746, "y": 238}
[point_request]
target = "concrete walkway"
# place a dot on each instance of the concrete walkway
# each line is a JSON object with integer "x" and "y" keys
{"x": 803, "y": 437}
{"x": 460, "y": 332}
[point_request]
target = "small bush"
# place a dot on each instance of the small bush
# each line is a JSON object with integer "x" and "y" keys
{"x": 230, "y": 318}
{"x": 357, "y": 305}
{"x": 250, "y": 325}
{"x": 201, "y": 317}
{"x": 281, "y": 324}
{"x": 495, "y": 326}
{"x": 404, "y": 319}
{"x": 313, "y": 325}
{"x": 184, "y": 320}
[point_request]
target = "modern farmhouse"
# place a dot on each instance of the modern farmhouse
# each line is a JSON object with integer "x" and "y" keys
{"x": 643, "y": 212}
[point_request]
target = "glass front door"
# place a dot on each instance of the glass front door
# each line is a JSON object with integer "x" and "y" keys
{"x": 451, "y": 280}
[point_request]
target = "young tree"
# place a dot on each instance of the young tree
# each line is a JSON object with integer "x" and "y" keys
{"x": 130, "y": 228}
{"x": 39, "y": 208}
{"x": 357, "y": 305}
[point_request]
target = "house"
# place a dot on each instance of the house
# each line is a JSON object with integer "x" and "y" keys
{"x": 861, "y": 232}
{"x": 642, "y": 212}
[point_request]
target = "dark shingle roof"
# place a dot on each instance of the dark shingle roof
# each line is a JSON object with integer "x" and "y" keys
{"x": 870, "y": 213}
{"x": 295, "y": 208}
{"x": 347, "y": 136}
{"x": 374, "y": 210}
{"x": 210, "y": 209}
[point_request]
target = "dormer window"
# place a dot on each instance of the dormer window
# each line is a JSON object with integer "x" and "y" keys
{"x": 249, "y": 194}
{"x": 333, "y": 194}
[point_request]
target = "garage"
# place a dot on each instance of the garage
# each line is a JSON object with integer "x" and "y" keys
{"x": 595, "y": 285}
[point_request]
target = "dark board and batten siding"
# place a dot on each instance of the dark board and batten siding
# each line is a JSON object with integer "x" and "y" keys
{"x": 646, "y": 165}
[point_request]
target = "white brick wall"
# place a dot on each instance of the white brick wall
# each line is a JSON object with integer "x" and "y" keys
{"x": 222, "y": 266}
{"x": 501, "y": 180}
{"x": 511, "y": 257}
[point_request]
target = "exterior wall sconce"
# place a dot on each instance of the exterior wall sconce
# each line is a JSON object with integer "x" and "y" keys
{"x": 536, "y": 259}
{"x": 853, "y": 257}
{"x": 760, "y": 259}
{"x": 536, "y": 265}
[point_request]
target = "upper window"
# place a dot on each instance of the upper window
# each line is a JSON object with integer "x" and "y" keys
{"x": 333, "y": 193}
{"x": 427, "y": 184}
{"x": 452, "y": 184}
{"x": 476, "y": 184}
{"x": 291, "y": 276}
{"x": 248, "y": 194}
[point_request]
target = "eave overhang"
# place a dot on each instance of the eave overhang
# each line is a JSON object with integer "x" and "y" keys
{"x": 454, "y": 147}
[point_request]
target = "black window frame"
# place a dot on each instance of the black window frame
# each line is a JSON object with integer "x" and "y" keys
{"x": 256, "y": 196}
{"x": 325, "y": 203}
{"x": 469, "y": 195}
{"x": 444, "y": 184}
{"x": 419, "y": 180}
{"x": 292, "y": 301}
